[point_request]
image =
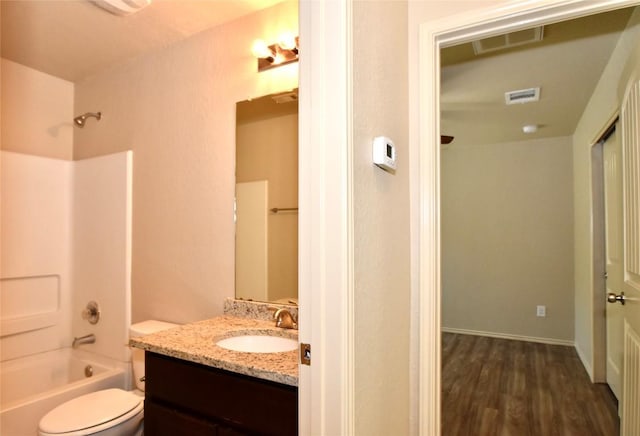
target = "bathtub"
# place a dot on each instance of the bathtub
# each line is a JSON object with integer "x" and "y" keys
{"x": 33, "y": 385}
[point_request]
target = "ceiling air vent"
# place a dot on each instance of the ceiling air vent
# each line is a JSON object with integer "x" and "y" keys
{"x": 508, "y": 40}
{"x": 522, "y": 96}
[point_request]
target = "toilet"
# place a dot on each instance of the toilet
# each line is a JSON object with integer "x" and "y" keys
{"x": 109, "y": 412}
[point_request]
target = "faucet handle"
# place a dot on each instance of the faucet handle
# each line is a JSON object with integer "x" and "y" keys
{"x": 285, "y": 319}
{"x": 92, "y": 312}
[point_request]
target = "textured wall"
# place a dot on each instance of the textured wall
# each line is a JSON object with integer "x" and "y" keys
{"x": 37, "y": 112}
{"x": 175, "y": 108}
{"x": 381, "y": 215}
{"x": 605, "y": 100}
{"x": 507, "y": 238}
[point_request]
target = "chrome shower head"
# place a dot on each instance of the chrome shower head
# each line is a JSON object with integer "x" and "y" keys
{"x": 79, "y": 121}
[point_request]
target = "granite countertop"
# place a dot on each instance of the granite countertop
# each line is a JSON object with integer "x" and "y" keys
{"x": 196, "y": 342}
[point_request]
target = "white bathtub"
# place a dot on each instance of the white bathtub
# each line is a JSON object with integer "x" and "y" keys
{"x": 31, "y": 386}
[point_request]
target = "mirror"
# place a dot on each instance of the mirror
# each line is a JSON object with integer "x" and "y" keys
{"x": 266, "y": 212}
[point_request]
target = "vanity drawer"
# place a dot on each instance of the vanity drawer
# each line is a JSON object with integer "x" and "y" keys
{"x": 246, "y": 404}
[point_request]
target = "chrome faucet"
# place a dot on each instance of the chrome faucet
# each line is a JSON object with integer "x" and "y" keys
{"x": 285, "y": 319}
{"x": 86, "y": 339}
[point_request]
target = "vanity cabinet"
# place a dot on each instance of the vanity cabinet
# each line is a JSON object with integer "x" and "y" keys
{"x": 186, "y": 398}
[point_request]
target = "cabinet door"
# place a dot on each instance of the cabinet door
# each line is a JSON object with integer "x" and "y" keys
{"x": 250, "y": 405}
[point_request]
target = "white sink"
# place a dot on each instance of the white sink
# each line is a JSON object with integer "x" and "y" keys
{"x": 258, "y": 344}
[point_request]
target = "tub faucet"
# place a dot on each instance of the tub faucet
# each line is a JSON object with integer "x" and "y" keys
{"x": 86, "y": 339}
{"x": 285, "y": 319}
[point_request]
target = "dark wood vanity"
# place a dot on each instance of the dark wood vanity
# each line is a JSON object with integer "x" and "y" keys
{"x": 186, "y": 398}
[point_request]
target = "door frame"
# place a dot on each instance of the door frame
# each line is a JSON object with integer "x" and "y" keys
{"x": 433, "y": 36}
{"x": 598, "y": 244}
{"x": 598, "y": 369}
{"x": 325, "y": 265}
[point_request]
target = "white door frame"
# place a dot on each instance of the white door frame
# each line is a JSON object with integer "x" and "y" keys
{"x": 433, "y": 36}
{"x": 326, "y": 290}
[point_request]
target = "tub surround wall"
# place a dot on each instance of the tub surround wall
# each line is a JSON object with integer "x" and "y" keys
{"x": 102, "y": 250}
{"x": 35, "y": 267}
{"x": 175, "y": 108}
{"x": 66, "y": 238}
{"x": 37, "y": 112}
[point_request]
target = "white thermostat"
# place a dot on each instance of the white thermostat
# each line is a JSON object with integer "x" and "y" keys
{"x": 384, "y": 153}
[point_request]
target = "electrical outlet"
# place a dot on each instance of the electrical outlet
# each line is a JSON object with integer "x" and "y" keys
{"x": 541, "y": 311}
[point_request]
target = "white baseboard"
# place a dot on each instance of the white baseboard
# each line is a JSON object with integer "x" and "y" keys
{"x": 550, "y": 341}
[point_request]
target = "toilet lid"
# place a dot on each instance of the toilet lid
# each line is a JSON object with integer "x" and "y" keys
{"x": 91, "y": 410}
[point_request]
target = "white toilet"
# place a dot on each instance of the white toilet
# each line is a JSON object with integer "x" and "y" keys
{"x": 109, "y": 412}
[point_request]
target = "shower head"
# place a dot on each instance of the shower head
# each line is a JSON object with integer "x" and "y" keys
{"x": 79, "y": 121}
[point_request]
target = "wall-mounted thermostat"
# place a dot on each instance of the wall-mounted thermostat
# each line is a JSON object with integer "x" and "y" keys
{"x": 384, "y": 153}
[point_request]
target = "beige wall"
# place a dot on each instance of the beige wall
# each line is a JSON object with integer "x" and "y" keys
{"x": 604, "y": 102}
{"x": 381, "y": 208}
{"x": 175, "y": 109}
{"x": 37, "y": 112}
{"x": 267, "y": 149}
{"x": 507, "y": 238}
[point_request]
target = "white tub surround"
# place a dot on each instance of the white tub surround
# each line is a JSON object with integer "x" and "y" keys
{"x": 65, "y": 241}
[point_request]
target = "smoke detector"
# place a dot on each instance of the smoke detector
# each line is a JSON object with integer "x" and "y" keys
{"x": 121, "y": 7}
{"x": 522, "y": 96}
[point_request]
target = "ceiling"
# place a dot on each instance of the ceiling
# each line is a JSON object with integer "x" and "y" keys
{"x": 566, "y": 65}
{"x": 73, "y": 39}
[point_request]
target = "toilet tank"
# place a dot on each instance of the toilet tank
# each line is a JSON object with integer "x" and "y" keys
{"x": 137, "y": 355}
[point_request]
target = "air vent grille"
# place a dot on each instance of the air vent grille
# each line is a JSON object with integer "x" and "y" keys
{"x": 502, "y": 42}
{"x": 522, "y": 96}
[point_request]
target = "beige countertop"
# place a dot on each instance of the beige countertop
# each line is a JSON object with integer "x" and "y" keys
{"x": 196, "y": 342}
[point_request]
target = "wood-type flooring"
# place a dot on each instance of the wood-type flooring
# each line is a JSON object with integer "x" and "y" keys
{"x": 512, "y": 388}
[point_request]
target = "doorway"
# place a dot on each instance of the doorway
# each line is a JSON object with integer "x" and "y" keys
{"x": 435, "y": 35}
{"x": 608, "y": 256}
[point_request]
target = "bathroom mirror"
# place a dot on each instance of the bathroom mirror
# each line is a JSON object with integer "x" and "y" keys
{"x": 266, "y": 251}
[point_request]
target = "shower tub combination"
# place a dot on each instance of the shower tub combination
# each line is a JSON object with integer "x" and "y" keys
{"x": 88, "y": 202}
{"x": 31, "y": 386}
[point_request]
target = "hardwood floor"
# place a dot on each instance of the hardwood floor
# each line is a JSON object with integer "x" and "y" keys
{"x": 512, "y": 388}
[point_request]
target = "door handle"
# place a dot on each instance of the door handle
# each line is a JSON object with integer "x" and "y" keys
{"x": 613, "y": 298}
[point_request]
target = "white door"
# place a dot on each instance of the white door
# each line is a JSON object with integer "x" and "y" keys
{"x": 612, "y": 161}
{"x": 630, "y": 310}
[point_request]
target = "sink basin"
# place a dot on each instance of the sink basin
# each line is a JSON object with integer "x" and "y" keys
{"x": 258, "y": 344}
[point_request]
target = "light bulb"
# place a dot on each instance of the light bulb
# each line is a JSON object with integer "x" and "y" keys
{"x": 279, "y": 58}
{"x": 260, "y": 49}
{"x": 287, "y": 41}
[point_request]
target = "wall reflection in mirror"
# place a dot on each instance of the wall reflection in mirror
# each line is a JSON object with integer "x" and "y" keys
{"x": 267, "y": 198}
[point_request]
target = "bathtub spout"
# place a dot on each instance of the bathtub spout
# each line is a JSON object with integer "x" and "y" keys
{"x": 86, "y": 339}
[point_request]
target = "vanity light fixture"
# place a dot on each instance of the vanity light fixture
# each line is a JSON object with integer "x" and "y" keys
{"x": 121, "y": 7}
{"x": 285, "y": 51}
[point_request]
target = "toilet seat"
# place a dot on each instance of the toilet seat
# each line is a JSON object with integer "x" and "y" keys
{"x": 91, "y": 413}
